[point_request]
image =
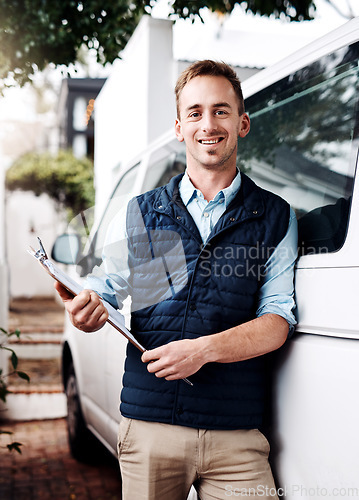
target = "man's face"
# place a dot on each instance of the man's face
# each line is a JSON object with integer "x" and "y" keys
{"x": 209, "y": 123}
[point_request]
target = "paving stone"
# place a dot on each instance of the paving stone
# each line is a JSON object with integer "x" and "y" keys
{"x": 45, "y": 470}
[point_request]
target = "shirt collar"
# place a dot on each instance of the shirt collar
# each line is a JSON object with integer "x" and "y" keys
{"x": 188, "y": 192}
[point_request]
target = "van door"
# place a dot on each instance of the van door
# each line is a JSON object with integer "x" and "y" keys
{"x": 96, "y": 350}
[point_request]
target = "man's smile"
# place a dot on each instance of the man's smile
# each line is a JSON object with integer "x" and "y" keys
{"x": 210, "y": 141}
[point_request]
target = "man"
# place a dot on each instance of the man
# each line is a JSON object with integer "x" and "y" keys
{"x": 240, "y": 247}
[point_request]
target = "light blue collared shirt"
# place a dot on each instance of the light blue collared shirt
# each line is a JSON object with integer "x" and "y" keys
{"x": 111, "y": 279}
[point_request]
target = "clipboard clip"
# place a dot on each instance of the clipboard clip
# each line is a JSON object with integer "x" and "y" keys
{"x": 40, "y": 254}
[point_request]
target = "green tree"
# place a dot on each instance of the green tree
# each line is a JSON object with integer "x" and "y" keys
{"x": 65, "y": 178}
{"x": 34, "y": 33}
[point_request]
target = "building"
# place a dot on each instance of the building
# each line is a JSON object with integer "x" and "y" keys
{"x": 76, "y": 114}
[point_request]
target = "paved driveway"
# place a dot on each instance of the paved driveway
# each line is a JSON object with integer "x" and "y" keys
{"x": 46, "y": 471}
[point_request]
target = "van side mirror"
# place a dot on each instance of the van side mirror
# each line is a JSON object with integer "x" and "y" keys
{"x": 67, "y": 249}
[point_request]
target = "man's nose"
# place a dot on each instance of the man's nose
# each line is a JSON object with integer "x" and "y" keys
{"x": 209, "y": 122}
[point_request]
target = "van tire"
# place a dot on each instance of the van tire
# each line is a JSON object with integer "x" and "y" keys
{"x": 84, "y": 446}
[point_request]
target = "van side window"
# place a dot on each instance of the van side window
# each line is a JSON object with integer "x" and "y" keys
{"x": 161, "y": 171}
{"x": 119, "y": 199}
{"x": 303, "y": 145}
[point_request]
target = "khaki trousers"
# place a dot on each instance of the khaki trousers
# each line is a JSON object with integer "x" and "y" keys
{"x": 162, "y": 462}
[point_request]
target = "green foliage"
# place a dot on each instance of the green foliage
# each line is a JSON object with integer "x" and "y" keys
{"x": 65, "y": 178}
{"x": 14, "y": 445}
{"x": 4, "y": 391}
{"x": 14, "y": 363}
{"x": 34, "y": 33}
{"x": 293, "y": 10}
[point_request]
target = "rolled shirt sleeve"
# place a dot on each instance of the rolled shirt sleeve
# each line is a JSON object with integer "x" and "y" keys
{"x": 276, "y": 294}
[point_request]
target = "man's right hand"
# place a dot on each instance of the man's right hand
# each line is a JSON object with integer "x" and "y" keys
{"x": 86, "y": 310}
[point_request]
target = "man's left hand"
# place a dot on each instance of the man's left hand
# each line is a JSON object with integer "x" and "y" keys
{"x": 175, "y": 360}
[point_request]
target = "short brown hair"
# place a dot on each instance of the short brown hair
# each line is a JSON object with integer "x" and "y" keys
{"x": 209, "y": 68}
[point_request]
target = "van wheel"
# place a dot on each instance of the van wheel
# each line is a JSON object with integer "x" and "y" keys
{"x": 83, "y": 444}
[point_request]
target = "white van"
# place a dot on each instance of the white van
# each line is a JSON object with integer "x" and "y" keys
{"x": 303, "y": 145}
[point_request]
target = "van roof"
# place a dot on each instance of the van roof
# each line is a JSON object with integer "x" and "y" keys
{"x": 340, "y": 37}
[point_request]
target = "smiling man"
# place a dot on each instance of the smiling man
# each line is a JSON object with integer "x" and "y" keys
{"x": 240, "y": 246}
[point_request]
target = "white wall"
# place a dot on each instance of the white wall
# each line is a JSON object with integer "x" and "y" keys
{"x": 29, "y": 216}
{"x": 4, "y": 296}
{"x": 3, "y": 266}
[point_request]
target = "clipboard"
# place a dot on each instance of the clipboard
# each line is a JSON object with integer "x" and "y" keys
{"x": 115, "y": 318}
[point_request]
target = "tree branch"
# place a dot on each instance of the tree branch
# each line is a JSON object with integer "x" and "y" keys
{"x": 348, "y": 16}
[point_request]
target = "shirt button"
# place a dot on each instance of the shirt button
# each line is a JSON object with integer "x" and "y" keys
{"x": 221, "y": 200}
{"x": 192, "y": 306}
{"x": 179, "y": 410}
{"x": 205, "y": 214}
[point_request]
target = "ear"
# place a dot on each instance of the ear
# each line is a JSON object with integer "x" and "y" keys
{"x": 244, "y": 125}
{"x": 178, "y": 130}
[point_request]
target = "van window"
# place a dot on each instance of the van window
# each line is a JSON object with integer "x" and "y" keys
{"x": 161, "y": 171}
{"x": 302, "y": 145}
{"x": 119, "y": 199}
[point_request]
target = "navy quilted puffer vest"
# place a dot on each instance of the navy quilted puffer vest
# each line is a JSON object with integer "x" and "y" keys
{"x": 218, "y": 287}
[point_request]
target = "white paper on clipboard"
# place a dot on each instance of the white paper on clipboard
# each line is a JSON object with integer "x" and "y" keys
{"x": 115, "y": 318}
